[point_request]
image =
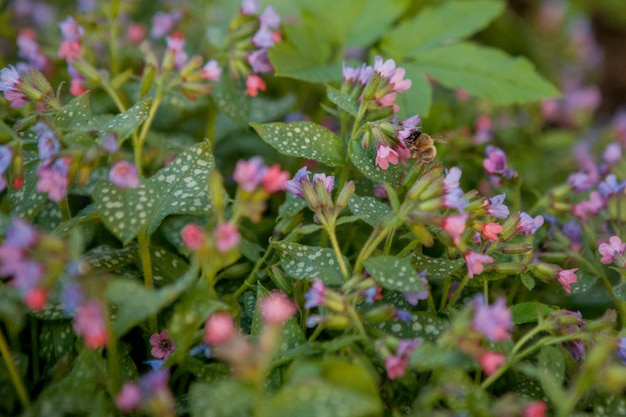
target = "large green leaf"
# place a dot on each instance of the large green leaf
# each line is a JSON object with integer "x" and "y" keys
{"x": 343, "y": 100}
{"x": 369, "y": 209}
{"x": 365, "y": 161}
{"x": 124, "y": 124}
{"x": 304, "y": 139}
{"x": 227, "y": 398}
{"x": 231, "y": 100}
{"x": 75, "y": 114}
{"x": 179, "y": 188}
{"x": 438, "y": 268}
{"x": 529, "y": 312}
{"x": 485, "y": 72}
{"x": 426, "y": 325}
{"x": 449, "y": 21}
{"x": 394, "y": 274}
{"x": 309, "y": 262}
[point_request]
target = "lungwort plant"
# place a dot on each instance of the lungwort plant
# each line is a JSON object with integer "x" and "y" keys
{"x": 220, "y": 209}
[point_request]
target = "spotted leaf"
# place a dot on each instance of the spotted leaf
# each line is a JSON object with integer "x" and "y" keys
{"x": 343, "y": 101}
{"x": 75, "y": 114}
{"x": 438, "y": 268}
{"x": 426, "y": 325}
{"x": 304, "y": 139}
{"x": 27, "y": 202}
{"x": 124, "y": 124}
{"x": 231, "y": 101}
{"x": 309, "y": 262}
{"x": 365, "y": 161}
{"x": 394, "y": 274}
{"x": 369, "y": 209}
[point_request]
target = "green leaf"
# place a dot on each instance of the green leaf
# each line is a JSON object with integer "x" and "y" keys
{"x": 394, "y": 274}
{"x": 527, "y": 312}
{"x": 227, "y": 398}
{"x": 610, "y": 406}
{"x": 49, "y": 217}
{"x": 434, "y": 25}
{"x": 84, "y": 216}
{"x": 365, "y": 161}
{"x": 263, "y": 109}
{"x": 343, "y": 101}
{"x": 428, "y": 357}
{"x": 57, "y": 341}
{"x": 135, "y": 303}
{"x": 369, "y": 209}
{"x": 309, "y": 262}
{"x": 438, "y": 268}
{"x": 125, "y": 124}
{"x": 12, "y": 310}
{"x": 620, "y": 291}
{"x": 303, "y": 139}
{"x": 291, "y": 206}
{"x": 179, "y": 188}
{"x": 27, "y": 202}
{"x": 107, "y": 258}
{"x": 231, "y": 101}
{"x": 372, "y": 19}
{"x": 75, "y": 114}
{"x": 485, "y": 72}
{"x": 426, "y": 325}
{"x": 317, "y": 398}
{"x": 166, "y": 266}
{"x": 528, "y": 281}
{"x": 551, "y": 361}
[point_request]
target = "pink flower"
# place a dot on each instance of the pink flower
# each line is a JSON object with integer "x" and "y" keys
{"x": 162, "y": 345}
{"x": 495, "y": 163}
{"x": 254, "y": 83}
{"x": 493, "y": 321}
{"x": 270, "y": 18}
{"x": 316, "y": 295}
{"x": 129, "y": 397}
{"x": 475, "y": 262}
{"x": 163, "y": 23}
{"x": 176, "y": 45}
{"x": 9, "y": 82}
{"x": 124, "y": 175}
{"x": 77, "y": 87}
{"x": 536, "y": 409}
{"x": 89, "y": 322}
{"x": 212, "y": 71}
{"x": 612, "y": 153}
{"x": 455, "y": 226}
{"x": 384, "y": 68}
{"x": 135, "y": 32}
{"x": 400, "y": 85}
{"x": 610, "y": 250}
{"x": 53, "y": 179}
{"x": 250, "y": 7}
{"x": 567, "y": 277}
{"x": 275, "y": 179}
{"x": 226, "y": 237}
{"x": 193, "y": 236}
{"x": 249, "y": 174}
{"x": 69, "y": 50}
{"x": 328, "y": 180}
{"x": 218, "y": 328}
{"x": 589, "y": 207}
{"x": 491, "y": 230}
{"x": 395, "y": 366}
{"x": 386, "y": 155}
{"x": 491, "y": 361}
{"x": 276, "y": 308}
{"x": 36, "y": 298}
{"x": 259, "y": 61}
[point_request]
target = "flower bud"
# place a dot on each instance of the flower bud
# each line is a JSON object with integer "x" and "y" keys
{"x": 515, "y": 248}
{"x": 424, "y": 236}
{"x": 561, "y": 191}
{"x": 544, "y": 271}
{"x": 277, "y": 277}
{"x": 371, "y": 87}
{"x": 145, "y": 84}
{"x": 509, "y": 227}
{"x": 379, "y": 113}
{"x": 507, "y": 268}
{"x": 310, "y": 196}
{"x": 192, "y": 65}
{"x": 344, "y": 196}
{"x": 86, "y": 70}
{"x": 379, "y": 314}
{"x": 336, "y": 322}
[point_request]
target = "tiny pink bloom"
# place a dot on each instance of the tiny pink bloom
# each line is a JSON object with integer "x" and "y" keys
{"x": 69, "y": 50}
{"x": 611, "y": 249}
{"x": 254, "y": 83}
{"x": 135, "y": 32}
{"x": 400, "y": 85}
{"x": 493, "y": 321}
{"x": 491, "y": 231}
{"x": 567, "y": 277}
{"x": 270, "y": 18}
{"x": 395, "y": 366}
{"x": 226, "y": 236}
{"x": 590, "y": 207}
{"x": 276, "y": 308}
{"x": 612, "y": 153}
{"x": 250, "y": 7}
{"x": 77, "y": 87}
{"x": 211, "y": 71}
{"x": 455, "y": 226}
{"x": 162, "y": 345}
{"x": 527, "y": 224}
{"x": 384, "y": 68}
{"x": 491, "y": 361}
{"x": 89, "y": 323}
{"x": 124, "y": 174}
{"x": 275, "y": 179}
{"x": 193, "y": 236}
{"x": 249, "y": 174}
{"x": 475, "y": 262}
{"x": 536, "y": 409}
{"x": 386, "y": 155}
{"x": 176, "y": 45}
{"x": 129, "y": 397}
{"x": 53, "y": 178}
{"x": 218, "y": 328}
{"x": 495, "y": 163}
{"x": 461, "y": 94}
{"x": 36, "y": 298}
{"x": 328, "y": 180}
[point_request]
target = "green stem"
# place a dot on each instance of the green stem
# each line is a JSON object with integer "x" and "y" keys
{"x": 356, "y": 320}
{"x": 370, "y": 246}
{"x": 114, "y": 96}
{"x": 209, "y": 131}
{"x": 318, "y": 330}
{"x": 114, "y": 29}
{"x": 459, "y": 289}
{"x": 146, "y": 265}
{"x": 65, "y": 209}
{"x": 113, "y": 359}
{"x": 330, "y": 229}
{"x": 139, "y": 140}
{"x": 252, "y": 277}
{"x": 13, "y": 372}
{"x": 619, "y": 304}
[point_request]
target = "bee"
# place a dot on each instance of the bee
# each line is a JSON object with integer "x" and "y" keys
{"x": 422, "y": 146}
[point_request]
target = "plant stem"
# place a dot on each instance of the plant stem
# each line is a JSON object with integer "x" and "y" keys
{"x": 146, "y": 265}
{"x": 209, "y": 131}
{"x": 252, "y": 276}
{"x": 370, "y": 245}
{"x": 139, "y": 140}
{"x": 330, "y": 229}
{"x": 13, "y": 372}
{"x": 65, "y": 209}
{"x": 458, "y": 290}
{"x": 113, "y": 359}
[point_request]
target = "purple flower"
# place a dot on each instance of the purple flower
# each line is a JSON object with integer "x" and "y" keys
{"x": 527, "y": 224}
{"x": 9, "y": 80}
{"x": 451, "y": 181}
{"x": 372, "y": 294}
{"x": 365, "y": 74}
{"x": 316, "y": 295}
{"x": 350, "y": 74}
{"x": 129, "y": 398}
{"x": 610, "y": 186}
{"x": 249, "y": 174}
{"x": 72, "y": 296}
{"x": 263, "y": 38}
{"x": 29, "y": 50}
{"x": 329, "y": 181}
{"x": 53, "y": 178}
{"x": 212, "y": 71}
{"x": 124, "y": 174}
{"x": 610, "y": 250}
{"x": 90, "y": 323}
{"x": 620, "y": 350}
{"x": 250, "y": 7}
{"x": 403, "y": 315}
{"x": 573, "y": 231}
{"x": 48, "y": 145}
{"x": 260, "y": 62}
{"x": 294, "y": 185}
{"x": 495, "y": 163}
{"x": 384, "y": 68}
{"x": 6, "y": 156}
{"x": 109, "y": 142}
{"x": 496, "y": 208}
{"x": 493, "y": 321}
{"x": 162, "y": 345}
{"x": 270, "y": 18}
{"x": 612, "y": 153}
{"x": 580, "y": 181}
{"x": 414, "y": 297}
{"x": 163, "y": 23}
{"x": 71, "y": 30}
{"x": 475, "y": 262}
